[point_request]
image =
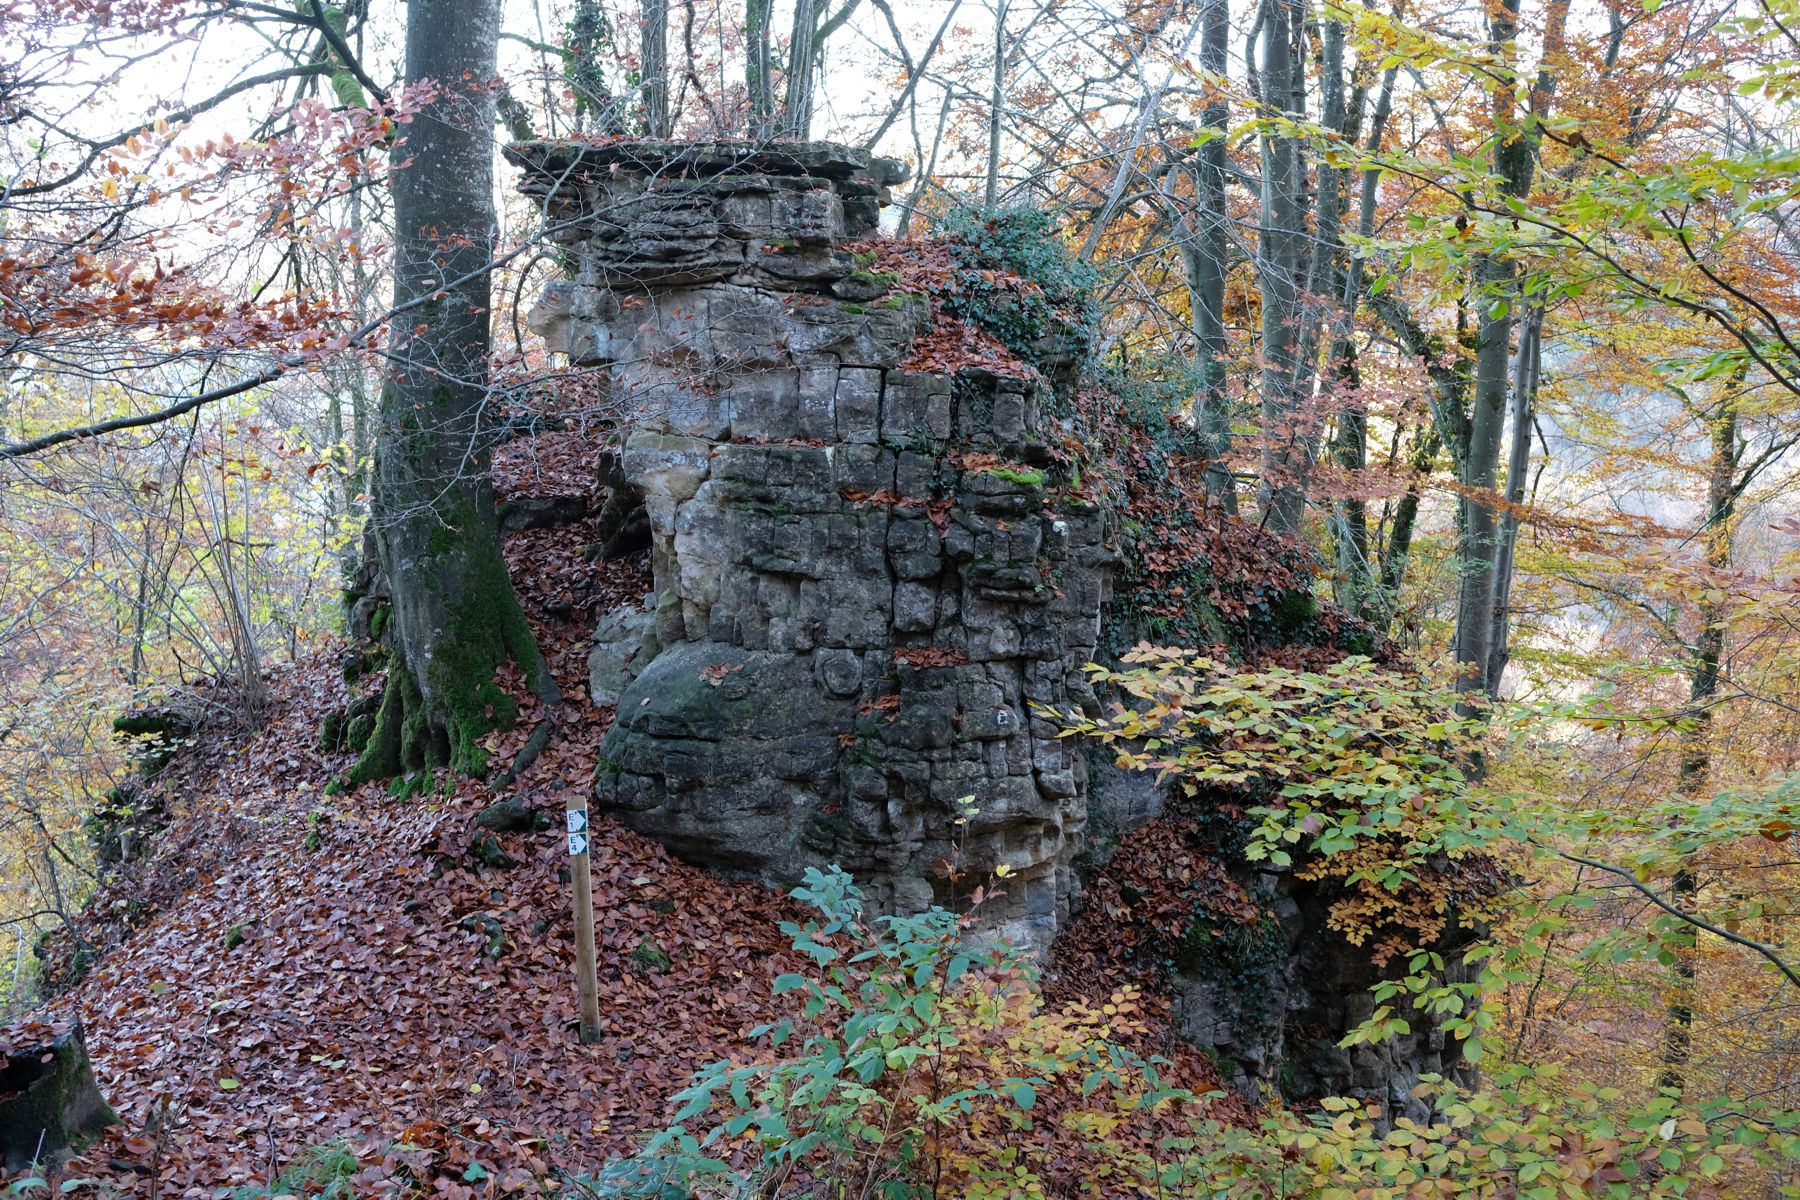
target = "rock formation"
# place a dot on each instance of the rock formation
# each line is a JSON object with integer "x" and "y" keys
{"x": 864, "y": 576}
{"x": 1275, "y": 1007}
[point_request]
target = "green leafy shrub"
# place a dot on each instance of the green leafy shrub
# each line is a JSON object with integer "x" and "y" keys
{"x": 1351, "y": 776}
{"x": 926, "y": 1068}
{"x": 897, "y": 1069}
{"x": 1334, "y": 758}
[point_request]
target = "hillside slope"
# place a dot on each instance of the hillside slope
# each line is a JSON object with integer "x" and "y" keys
{"x": 281, "y": 989}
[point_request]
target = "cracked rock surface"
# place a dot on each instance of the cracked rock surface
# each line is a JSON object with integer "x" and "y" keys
{"x": 850, "y": 629}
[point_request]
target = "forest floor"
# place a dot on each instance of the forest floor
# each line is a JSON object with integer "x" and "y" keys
{"x": 288, "y": 968}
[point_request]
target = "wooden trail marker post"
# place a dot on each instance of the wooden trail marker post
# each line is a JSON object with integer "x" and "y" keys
{"x": 582, "y": 882}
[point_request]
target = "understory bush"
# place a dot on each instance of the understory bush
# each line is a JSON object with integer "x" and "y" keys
{"x": 923, "y": 1062}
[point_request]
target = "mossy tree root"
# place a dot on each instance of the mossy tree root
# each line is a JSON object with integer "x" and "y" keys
{"x": 485, "y": 629}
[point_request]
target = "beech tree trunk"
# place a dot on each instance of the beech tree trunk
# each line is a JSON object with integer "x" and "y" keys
{"x": 1504, "y": 382}
{"x": 658, "y": 120}
{"x": 455, "y": 619}
{"x": 1205, "y": 256}
{"x": 590, "y": 33}
{"x": 1706, "y": 656}
{"x": 1527, "y": 368}
{"x": 1471, "y": 408}
{"x": 1494, "y": 296}
{"x": 1495, "y": 278}
{"x": 1280, "y": 254}
{"x": 759, "y": 66}
{"x": 990, "y": 193}
{"x": 806, "y": 46}
{"x": 813, "y": 26}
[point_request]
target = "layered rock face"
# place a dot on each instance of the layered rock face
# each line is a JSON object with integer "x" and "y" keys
{"x": 1275, "y": 1021}
{"x": 863, "y": 583}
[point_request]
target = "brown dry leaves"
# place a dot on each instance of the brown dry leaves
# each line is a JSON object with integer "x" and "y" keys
{"x": 357, "y": 1006}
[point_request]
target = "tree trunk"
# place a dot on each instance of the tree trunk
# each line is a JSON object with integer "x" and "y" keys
{"x": 1398, "y": 548}
{"x": 1482, "y": 611}
{"x": 805, "y": 48}
{"x": 1281, "y": 245}
{"x": 1350, "y": 523}
{"x": 1205, "y": 255}
{"x": 759, "y": 69}
{"x": 455, "y": 619}
{"x": 1495, "y": 297}
{"x": 590, "y": 33}
{"x": 1356, "y": 566}
{"x": 1330, "y": 291}
{"x": 990, "y": 193}
{"x": 1526, "y": 373}
{"x": 1708, "y": 652}
{"x": 658, "y": 121}
{"x": 1494, "y": 279}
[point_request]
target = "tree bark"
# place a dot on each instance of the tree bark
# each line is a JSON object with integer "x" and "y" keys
{"x": 1494, "y": 280}
{"x": 1495, "y": 297}
{"x": 455, "y": 619}
{"x": 1708, "y": 653}
{"x": 1398, "y": 549}
{"x": 759, "y": 67}
{"x": 1205, "y": 255}
{"x": 1503, "y": 384}
{"x": 658, "y": 121}
{"x": 990, "y": 192}
{"x": 805, "y": 48}
{"x": 1350, "y": 521}
{"x": 1528, "y": 368}
{"x": 589, "y": 34}
{"x": 1281, "y": 246}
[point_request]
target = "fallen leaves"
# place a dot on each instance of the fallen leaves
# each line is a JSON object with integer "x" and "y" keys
{"x": 356, "y": 1008}
{"x": 930, "y": 656}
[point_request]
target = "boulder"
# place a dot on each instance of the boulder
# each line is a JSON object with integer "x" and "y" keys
{"x": 727, "y": 756}
{"x": 624, "y": 644}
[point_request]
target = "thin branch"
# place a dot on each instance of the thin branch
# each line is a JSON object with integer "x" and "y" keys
{"x": 266, "y": 376}
{"x": 1630, "y": 880}
{"x": 96, "y": 149}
